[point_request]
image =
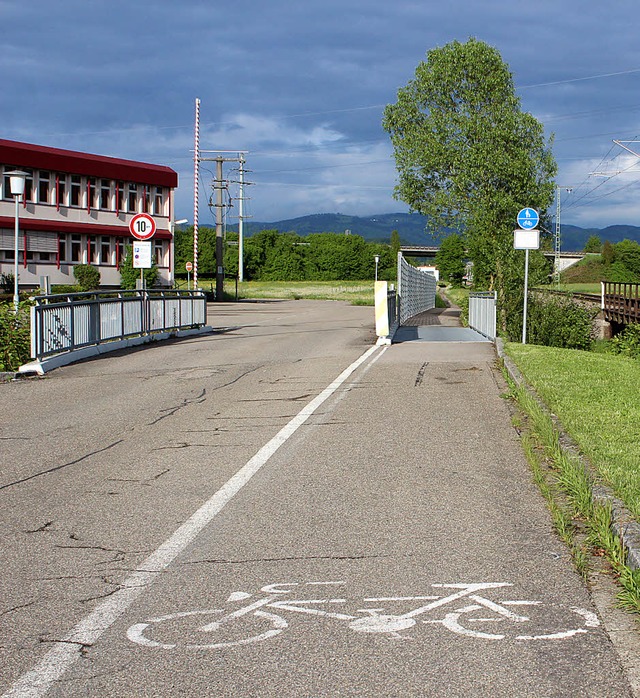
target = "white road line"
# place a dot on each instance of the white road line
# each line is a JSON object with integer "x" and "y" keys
{"x": 65, "y": 652}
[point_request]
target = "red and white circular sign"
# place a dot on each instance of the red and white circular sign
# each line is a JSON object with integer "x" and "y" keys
{"x": 189, "y": 266}
{"x": 142, "y": 226}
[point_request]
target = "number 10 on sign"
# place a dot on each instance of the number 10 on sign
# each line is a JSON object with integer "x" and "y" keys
{"x": 142, "y": 226}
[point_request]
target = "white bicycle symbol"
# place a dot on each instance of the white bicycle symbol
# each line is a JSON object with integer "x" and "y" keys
{"x": 476, "y": 616}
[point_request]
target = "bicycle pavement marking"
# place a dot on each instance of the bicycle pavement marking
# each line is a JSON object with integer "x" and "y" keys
{"x": 66, "y": 651}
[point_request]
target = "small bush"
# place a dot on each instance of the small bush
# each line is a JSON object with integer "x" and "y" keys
{"x": 15, "y": 337}
{"x": 559, "y": 322}
{"x": 627, "y": 343}
{"x": 129, "y": 275}
{"x": 88, "y": 277}
{"x": 6, "y": 282}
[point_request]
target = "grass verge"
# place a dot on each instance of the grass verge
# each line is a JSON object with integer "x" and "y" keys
{"x": 354, "y": 292}
{"x": 567, "y": 485}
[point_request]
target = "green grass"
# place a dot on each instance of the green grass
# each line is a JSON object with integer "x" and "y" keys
{"x": 354, "y": 292}
{"x": 596, "y": 398}
{"x": 578, "y": 288}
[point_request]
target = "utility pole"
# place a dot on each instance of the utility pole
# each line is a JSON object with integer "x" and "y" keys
{"x": 556, "y": 237}
{"x": 241, "y": 222}
{"x": 219, "y": 240}
{"x": 219, "y": 185}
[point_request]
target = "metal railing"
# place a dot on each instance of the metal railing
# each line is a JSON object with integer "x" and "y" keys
{"x": 65, "y": 322}
{"x": 416, "y": 290}
{"x": 482, "y": 313}
{"x": 621, "y": 302}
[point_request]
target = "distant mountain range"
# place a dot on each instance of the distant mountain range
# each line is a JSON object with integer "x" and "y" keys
{"x": 411, "y": 228}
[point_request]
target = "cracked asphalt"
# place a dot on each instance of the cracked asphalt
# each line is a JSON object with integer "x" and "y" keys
{"x": 333, "y": 571}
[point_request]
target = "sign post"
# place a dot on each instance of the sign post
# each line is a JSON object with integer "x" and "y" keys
{"x": 526, "y": 238}
{"x": 188, "y": 267}
{"x": 143, "y": 228}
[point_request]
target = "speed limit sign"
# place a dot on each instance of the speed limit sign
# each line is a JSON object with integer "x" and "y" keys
{"x": 142, "y": 226}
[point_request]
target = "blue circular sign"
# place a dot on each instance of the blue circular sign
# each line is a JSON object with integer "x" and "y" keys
{"x": 528, "y": 218}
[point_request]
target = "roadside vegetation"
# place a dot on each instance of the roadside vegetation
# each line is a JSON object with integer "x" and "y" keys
{"x": 593, "y": 397}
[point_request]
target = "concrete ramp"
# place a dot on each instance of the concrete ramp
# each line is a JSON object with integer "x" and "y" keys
{"x": 437, "y": 333}
{"x": 436, "y": 325}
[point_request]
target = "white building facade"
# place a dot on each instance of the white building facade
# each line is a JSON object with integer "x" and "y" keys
{"x": 76, "y": 210}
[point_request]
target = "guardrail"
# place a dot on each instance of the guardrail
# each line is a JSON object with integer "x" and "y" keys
{"x": 482, "y": 313}
{"x": 67, "y": 322}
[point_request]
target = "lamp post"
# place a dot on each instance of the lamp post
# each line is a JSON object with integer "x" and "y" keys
{"x": 17, "y": 180}
{"x": 377, "y": 258}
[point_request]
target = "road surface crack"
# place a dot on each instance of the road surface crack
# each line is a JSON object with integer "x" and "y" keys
{"x": 293, "y": 558}
{"x": 60, "y": 467}
{"x": 170, "y": 411}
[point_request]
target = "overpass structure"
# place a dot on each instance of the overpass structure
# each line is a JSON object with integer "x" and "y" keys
{"x": 564, "y": 259}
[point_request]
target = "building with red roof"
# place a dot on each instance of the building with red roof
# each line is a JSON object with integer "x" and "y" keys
{"x": 76, "y": 210}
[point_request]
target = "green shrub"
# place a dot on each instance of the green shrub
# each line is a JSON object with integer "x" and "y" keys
{"x": 129, "y": 275}
{"x": 559, "y": 322}
{"x": 6, "y": 282}
{"x": 88, "y": 277}
{"x": 15, "y": 337}
{"x": 627, "y": 343}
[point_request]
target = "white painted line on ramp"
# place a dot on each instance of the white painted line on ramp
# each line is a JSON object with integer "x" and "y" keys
{"x": 66, "y": 651}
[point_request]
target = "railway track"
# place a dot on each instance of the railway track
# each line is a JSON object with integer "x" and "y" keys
{"x": 590, "y": 297}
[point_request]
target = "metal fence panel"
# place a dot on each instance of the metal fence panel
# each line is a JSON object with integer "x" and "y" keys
{"x": 482, "y": 313}
{"x": 67, "y": 322}
{"x": 416, "y": 290}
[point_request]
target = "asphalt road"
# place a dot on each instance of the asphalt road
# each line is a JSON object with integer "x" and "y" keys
{"x": 280, "y": 509}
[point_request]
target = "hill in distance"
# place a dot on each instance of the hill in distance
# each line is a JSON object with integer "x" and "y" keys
{"x": 412, "y": 229}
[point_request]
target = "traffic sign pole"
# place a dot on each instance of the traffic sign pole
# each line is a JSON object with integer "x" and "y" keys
{"x": 528, "y": 219}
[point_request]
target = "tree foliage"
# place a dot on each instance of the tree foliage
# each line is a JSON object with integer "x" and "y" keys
{"x": 87, "y": 277}
{"x": 469, "y": 158}
{"x": 593, "y": 244}
{"x": 450, "y": 259}
{"x": 271, "y": 255}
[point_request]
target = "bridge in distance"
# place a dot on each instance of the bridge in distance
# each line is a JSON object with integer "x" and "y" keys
{"x": 566, "y": 259}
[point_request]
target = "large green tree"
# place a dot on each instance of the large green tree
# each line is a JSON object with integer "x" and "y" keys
{"x": 450, "y": 259}
{"x": 469, "y": 158}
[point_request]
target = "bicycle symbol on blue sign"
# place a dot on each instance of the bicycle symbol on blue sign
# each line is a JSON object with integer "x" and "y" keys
{"x": 528, "y": 218}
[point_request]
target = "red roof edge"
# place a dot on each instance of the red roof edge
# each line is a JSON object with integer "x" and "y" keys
{"x": 73, "y": 162}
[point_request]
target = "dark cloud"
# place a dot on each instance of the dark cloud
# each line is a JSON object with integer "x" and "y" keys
{"x": 302, "y": 87}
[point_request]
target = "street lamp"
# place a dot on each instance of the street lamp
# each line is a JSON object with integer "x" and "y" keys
{"x": 17, "y": 180}
{"x": 377, "y": 258}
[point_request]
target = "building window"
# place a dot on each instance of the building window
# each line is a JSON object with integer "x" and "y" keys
{"x": 159, "y": 252}
{"x": 132, "y": 198}
{"x": 6, "y": 187}
{"x": 76, "y": 191}
{"x": 44, "y": 184}
{"x": 61, "y": 189}
{"x": 29, "y": 189}
{"x": 76, "y": 248}
{"x": 91, "y": 194}
{"x": 120, "y": 202}
{"x": 105, "y": 251}
{"x": 120, "y": 252}
{"x": 158, "y": 202}
{"x": 105, "y": 194}
{"x": 62, "y": 248}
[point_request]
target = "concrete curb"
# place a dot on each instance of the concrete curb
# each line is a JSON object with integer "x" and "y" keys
{"x": 40, "y": 367}
{"x": 624, "y": 525}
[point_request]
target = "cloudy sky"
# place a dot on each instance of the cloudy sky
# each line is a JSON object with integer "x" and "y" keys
{"x": 301, "y": 85}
